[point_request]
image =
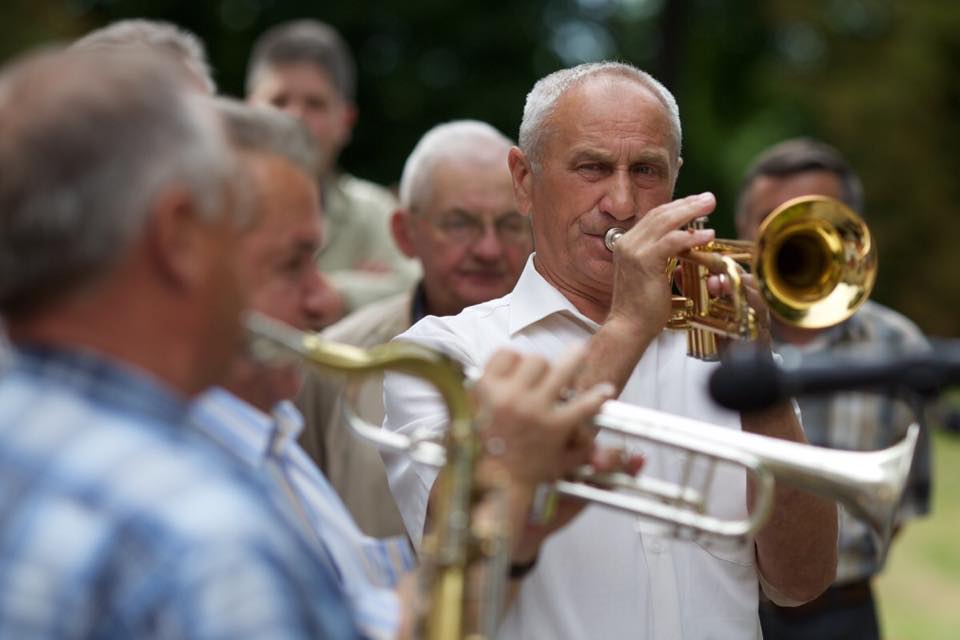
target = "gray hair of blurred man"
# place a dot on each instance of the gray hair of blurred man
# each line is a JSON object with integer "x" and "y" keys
{"x": 460, "y": 140}
{"x": 88, "y": 141}
{"x": 156, "y": 35}
{"x": 800, "y": 155}
{"x": 304, "y": 41}
{"x": 262, "y": 130}
{"x": 535, "y": 125}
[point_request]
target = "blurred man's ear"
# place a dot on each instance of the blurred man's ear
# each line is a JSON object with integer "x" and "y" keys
{"x": 174, "y": 236}
{"x": 348, "y": 120}
{"x": 401, "y": 226}
{"x": 522, "y": 174}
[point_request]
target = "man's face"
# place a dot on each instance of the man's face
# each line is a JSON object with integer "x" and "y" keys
{"x": 470, "y": 238}
{"x": 278, "y": 260}
{"x": 305, "y": 91}
{"x": 608, "y": 157}
{"x": 766, "y": 193}
{"x": 222, "y": 294}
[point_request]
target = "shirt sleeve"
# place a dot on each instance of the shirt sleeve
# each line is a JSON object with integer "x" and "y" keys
{"x": 415, "y": 409}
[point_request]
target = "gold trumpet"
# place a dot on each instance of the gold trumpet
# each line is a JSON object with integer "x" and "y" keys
{"x": 814, "y": 262}
{"x": 868, "y": 484}
{"x": 456, "y": 542}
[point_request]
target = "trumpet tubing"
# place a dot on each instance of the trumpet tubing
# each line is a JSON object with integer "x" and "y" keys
{"x": 869, "y": 484}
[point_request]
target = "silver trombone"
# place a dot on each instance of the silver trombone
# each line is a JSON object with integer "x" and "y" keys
{"x": 868, "y": 484}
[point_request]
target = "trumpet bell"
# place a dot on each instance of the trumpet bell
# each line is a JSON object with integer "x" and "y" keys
{"x": 816, "y": 262}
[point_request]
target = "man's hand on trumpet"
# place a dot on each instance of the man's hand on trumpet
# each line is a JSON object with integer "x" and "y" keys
{"x": 635, "y": 304}
{"x": 535, "y": 432}
{"x": 641, "y": 292}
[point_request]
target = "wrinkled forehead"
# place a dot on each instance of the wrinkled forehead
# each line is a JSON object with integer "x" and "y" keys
{"x": 480, "y": 185}
{"x": 611, "y": 99}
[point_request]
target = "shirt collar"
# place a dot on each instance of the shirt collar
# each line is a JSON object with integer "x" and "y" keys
{"x": 244, "y": 430}
{"x": 103, "y": 380}
{"x": 534, "y": 299}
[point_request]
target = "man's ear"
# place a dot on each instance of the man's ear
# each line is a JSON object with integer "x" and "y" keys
{"x": 173, "y": 235}
{"x": 348, "y": 120}
{"x": 521, "y": 173}
{"x": 401, "y": 226}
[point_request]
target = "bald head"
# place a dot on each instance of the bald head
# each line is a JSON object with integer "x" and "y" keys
{"x": 546, "y": 93}
{"x": 468, "y": 142}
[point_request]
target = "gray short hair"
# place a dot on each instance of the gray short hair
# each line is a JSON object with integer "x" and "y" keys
{"x": 262, "y": 130}
{"x": 462, "y": 140}
{"x": 800, "y": 155}
{"x": 304, "y": 41}
{"x": 87, "y": 142}
{"x": 155, "y": 35}
{"x": 543, "y": 98}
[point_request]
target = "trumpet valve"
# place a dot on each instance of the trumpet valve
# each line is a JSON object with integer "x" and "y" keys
{"x": 680, "y": 310}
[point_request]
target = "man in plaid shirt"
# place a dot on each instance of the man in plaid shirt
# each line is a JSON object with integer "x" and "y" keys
{"x": 119, "y": 219}
{"x": 853, "y": 421}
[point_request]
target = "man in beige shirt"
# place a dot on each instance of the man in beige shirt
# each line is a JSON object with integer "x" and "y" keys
{"x": 458, "y": 218}
{"x": 305, "y": 68}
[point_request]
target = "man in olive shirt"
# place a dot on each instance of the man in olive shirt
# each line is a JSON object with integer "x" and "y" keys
{"x": 457, "y": 216}
{"x": 304, "y": 68}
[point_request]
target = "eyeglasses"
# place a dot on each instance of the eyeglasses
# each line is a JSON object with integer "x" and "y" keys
{"x": 463, "y": 228}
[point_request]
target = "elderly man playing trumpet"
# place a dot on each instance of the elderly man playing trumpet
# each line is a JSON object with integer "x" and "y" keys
{"x": 600, "y": 148}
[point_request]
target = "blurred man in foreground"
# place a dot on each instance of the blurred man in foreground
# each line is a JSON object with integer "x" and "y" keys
{"x": 851, "y": 421}
{"x": 457, "y": 217}
{"x": 600, "y": 148}
{"x": 119, "y": 220}
{"x": 305, "y": 69}
{"x": 251, "y": 416}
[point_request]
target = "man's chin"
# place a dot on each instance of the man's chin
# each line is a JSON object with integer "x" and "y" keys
{"x": 479, "y": 294}
{"x": 285, "y": 384}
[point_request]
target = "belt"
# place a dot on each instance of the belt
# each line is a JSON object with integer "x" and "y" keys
{"x": 838, "y": 596}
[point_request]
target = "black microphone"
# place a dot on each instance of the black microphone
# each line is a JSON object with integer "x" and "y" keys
{"x": 748, "y": 380}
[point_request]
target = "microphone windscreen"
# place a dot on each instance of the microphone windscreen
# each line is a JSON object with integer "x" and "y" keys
{"x": 746, "y": 381}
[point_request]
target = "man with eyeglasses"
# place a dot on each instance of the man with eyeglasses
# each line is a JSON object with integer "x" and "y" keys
{"x": 457, "y": 216}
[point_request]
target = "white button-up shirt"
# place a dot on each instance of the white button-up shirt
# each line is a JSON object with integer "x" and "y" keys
{"x": 604, "y": 575}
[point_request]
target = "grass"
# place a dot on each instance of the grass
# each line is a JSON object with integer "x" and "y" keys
{"x": 919, "y": 592}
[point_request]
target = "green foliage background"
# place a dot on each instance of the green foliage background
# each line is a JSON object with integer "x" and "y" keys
{"x": 877, "y": 78}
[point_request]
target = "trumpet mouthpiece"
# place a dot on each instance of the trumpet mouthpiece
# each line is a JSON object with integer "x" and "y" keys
{"x": 612, "y": 235}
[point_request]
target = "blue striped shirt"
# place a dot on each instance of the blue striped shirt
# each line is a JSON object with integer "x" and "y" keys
{"x": 117, "y": 521}
{"x": 368, "y": 568}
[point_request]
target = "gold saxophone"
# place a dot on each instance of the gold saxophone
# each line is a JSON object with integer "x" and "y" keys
{"x": 457, "y": 542}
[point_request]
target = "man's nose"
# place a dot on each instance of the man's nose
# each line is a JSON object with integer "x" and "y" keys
{"x": 488, "y": 246}
{"x": 618, "y": 201}
{"x": 313, "y": 295}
